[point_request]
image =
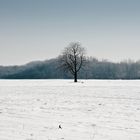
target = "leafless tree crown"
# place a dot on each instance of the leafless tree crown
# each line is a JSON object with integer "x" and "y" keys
{"x": 73, "y": 58}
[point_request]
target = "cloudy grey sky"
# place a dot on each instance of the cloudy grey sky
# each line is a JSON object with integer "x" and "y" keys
{"x": 40, "y": 29}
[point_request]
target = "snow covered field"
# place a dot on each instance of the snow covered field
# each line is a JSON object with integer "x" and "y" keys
{"x": 87, "y": 110}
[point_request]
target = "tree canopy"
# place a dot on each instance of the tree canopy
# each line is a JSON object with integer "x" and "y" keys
{"x": 72, "y": 59}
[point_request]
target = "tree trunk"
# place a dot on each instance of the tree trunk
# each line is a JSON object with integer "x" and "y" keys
{"x": 75, "y": 77}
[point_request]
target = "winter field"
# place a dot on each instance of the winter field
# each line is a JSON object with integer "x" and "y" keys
{"x": 87, "y": 110}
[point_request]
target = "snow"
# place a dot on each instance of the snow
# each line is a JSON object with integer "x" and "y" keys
{"x": 87, "y": 110}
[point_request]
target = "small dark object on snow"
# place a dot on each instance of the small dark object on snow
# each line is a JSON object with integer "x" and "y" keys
{"x": 60, "y": 127}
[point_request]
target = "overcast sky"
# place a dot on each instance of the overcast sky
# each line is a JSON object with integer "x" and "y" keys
{"x": 40, "y": 29}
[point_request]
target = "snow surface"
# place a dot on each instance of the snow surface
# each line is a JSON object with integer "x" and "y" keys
{"x": 87, "y": 110}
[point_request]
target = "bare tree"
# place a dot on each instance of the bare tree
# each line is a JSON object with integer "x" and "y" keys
{"x": 73, "y": 58}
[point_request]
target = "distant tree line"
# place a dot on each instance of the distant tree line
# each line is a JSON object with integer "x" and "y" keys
{"x": 94, "y": 69}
